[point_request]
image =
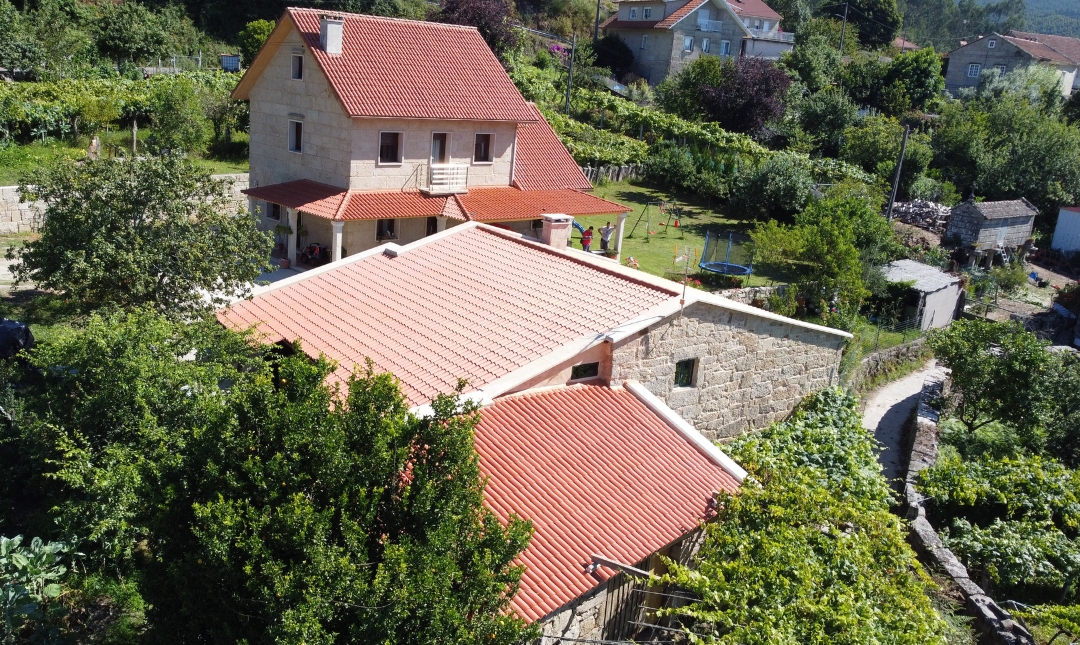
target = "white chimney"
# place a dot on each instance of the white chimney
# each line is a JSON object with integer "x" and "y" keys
{"x": 330, "y": 34}
{"x": 556, "y": 230}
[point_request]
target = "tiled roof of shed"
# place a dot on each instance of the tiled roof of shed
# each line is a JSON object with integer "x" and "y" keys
{"x": 312, "y": 197}
{"x": 504, "y": 203}
{"x": 596, "y": 472}
{"x": 413, "y": 69}
{"x": 473, "y": 304}
{"x": 1008, "y": 208}
{"x": 542, "y": 161}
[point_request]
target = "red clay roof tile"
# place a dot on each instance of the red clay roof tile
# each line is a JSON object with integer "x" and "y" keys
{"x": 596, "y": 472}
{"x": 680, "y": 13}
{"x": 312, "y": 197}
{"x": 504, "y": 204}
{"x": 1064, "y": 45}
{"x": 753, "y": 8}
{"x": 1039, "y": 50}
{"x": 542, "y": 161}
{"x": 474, "y": 305}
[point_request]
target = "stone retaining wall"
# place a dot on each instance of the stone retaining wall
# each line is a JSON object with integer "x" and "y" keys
{"x": 747, "y": 295}
{"x": 996, "y": 625}
{"x": 884, "y": 361}
{"x": 22, "y": 217}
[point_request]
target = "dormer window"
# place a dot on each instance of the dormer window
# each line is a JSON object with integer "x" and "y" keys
{"x": 482, "y": 149}
{"x": 992, "y": 43}
{"x": 298, "y": 67}
{"x": 646, "y": 13}
{"x": 390, "y": 147}
{"x": 633, "y": 14}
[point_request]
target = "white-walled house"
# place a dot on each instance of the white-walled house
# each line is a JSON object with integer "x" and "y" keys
{"x": 367, "y": 129}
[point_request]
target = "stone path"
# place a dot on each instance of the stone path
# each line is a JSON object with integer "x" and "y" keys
{"x": 887, "y": 409}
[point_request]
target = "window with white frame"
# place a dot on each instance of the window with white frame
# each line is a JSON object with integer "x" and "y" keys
{"x": 992, "y": 43}
{"x": 974, "y": 70}
{"x": 633, "y": 14}
{"x": 298, "y": 67}
{"x": 765, "y": 25}
{"x": 1000, "y": 69}
{"x": 757, "y": 24}
{"x": 296, "y": 136}
{"x": 482, "y": 148}
{"x": 646, "y": 13}
{"x": 390, "y": 147}
{"x": 704, "y": 45}
{"x": 725, "y": 48}
{"x": 688, "y": 44}
{"x": 645, "y": 42}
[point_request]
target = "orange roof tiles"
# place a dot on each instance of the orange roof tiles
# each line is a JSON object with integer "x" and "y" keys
{"x": 680, "y": 13}
{"x": 413, "y": 69}
{"x": 1038, "y": 50}
{"x": 505, "y": 203}
{"x": 596, "y": 472}
{"x": 473, "y": 304}
{"x": 753, "y": 8}
{"x": 312, "y": 197}
{"x": 384, "y": 205}
{"x": 1064, "y": 45}
{"x": 542, "y": 161}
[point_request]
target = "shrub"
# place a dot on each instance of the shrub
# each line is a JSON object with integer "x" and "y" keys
{"x": 777, "y": 188}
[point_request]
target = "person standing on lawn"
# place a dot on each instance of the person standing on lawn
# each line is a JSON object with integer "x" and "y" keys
{"x": 586, "y": 240}
{"x": 605, "y": 236}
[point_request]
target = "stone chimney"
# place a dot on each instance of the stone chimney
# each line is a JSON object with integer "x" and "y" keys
{"x": 330, "y": 29}
{"x": 556, "y": 230}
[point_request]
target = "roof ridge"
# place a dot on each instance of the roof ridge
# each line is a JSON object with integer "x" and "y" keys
{"x": 353, "y": 14}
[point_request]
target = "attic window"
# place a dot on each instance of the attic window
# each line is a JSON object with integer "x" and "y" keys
{"x": 390, "y": 147}
{"x": 584, "y": 371}
{"x": 646, "y": 13}
{"x": 992, "y": 43}
{"x": 684, "y": 372}
{"x": 633, "y": 14}
{"x": 298, "y": 67}
{"x": 482, "y": 149}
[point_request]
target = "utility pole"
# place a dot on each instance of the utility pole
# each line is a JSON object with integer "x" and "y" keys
{"x": 843, "y": 30}
{"x": 596, "y": 30}
{"x": 570, "y": 76}
{"x": 896, "y": 178}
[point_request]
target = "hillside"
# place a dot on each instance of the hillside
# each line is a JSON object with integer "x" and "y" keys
{"x": 1054, "y": 17}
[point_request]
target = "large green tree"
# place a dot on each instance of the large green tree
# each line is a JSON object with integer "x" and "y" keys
{"x": 128, "y": 31}
{"x": 874, "y": 142}
{"x": 878, "y": 20}
{"x": 155, "y": 231}
{"x": 252, "y": 37}
{"x": 682, "y": 94}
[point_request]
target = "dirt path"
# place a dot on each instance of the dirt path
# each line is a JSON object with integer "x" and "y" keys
{"x": 887, "y": 409}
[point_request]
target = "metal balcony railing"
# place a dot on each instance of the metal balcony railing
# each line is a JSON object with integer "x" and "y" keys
{"x": 447, "y": 178}
{"x": 710, "y": 25}
{"x": 775, "y": 35}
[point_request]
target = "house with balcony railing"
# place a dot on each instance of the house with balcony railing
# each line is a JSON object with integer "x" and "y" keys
{"x": 367, "y": 129}
{"x": 666, "y": 35}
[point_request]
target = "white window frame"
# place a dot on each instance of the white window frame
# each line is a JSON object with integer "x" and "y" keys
{"x": 974, "y": 70}
{"x": 297, "y": 70}
{"x": 704, "y": 45}
{"x": 1001, "y": 69}
{"x": 725, "y": 48}
{"x": 400, "y": 148}
{"x": 491, "y": 149}
{"x": 992, "y": 43}
{"x": 688, "y": 44}
{"x": 645, "y": 41}
{"x": 646, "y": 13}
{"x": 633, "y": 13}
{"x": 294, "y": 145}
{"x": 757, "y": 24}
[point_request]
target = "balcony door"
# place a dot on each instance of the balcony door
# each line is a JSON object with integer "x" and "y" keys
{"x": 439, "y": 145}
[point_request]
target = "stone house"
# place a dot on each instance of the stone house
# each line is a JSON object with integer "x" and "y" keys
{"x": 368, "y": 129}
{"x": 665, "y": 35}
{"x": 602, "y": 389}
{"x": 1004, "y": 53}
{"x": 936, "y": 297}
{"x": 988, "y": 229}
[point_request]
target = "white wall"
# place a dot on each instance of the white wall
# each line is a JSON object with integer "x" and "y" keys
{"x": 1067, "y": 232}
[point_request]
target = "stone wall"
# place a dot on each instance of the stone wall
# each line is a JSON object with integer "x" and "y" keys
{"x": 750, "y": 371}
{"x": 16, "y": 217}
{"x": 883, "y": 362}
{"x": 747, "y": 295}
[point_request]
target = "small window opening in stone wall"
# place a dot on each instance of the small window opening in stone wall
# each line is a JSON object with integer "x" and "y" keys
{"x": 584, "y": 371}
{"x": 684, "y": 372}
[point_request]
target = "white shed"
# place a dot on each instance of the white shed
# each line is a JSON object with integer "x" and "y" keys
{"x": 938, "y": 292}
{"x": 1067, "y": 231}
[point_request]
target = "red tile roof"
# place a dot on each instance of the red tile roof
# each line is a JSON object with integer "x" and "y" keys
{"x": 385, "y": 205}
{"x": 1067, "y": 46}
{"x": 904, "y": 45}
{"x": 312, "y": 197}
{"x": 409, "y": 69}
{"x": 597, "y": 473}
{"x": 505, "y": 203}
{"x": 614, "y": 23}
{"x": 473, "y": 304}
{"x": 753, "y": 8}
{"x": 1038, "y": 50}
{"x": 680, "y": 13}
{"x": 542, "y": 161}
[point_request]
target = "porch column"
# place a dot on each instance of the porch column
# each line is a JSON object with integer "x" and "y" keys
{"x": 336, "y": 243}
{"x": 440, "y": 223}
{"x": 619, "y": 227}
{"x": 290, "y": 244}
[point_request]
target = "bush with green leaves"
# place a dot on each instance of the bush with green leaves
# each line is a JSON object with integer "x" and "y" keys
{"x": 778, "y": 187}
{"x": 31, "y": 586}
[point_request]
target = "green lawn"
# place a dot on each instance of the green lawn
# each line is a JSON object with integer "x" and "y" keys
{"x": 16, "y": 161}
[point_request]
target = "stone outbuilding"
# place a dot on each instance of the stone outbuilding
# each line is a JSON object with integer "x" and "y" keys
{"x": 1004, "y": 53}
{"x": 936, "y": 298}
{"x": 987, "y": 229}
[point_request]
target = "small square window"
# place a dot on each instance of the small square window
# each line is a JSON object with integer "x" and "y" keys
{"x": 974, "y": 70}
{"x": 684, "y": 372}
{"x": 992, "y": 43}
{"x": 1000, "y": 69}
{"x": 688, "y": 44}
{"x": 704, "y": 45}
{"x": 385, "y": 229}
{"x": 645, "y": 42}
{"x": 273, "y": 211}
{"x": 584, "y": 371}
{"x": 633, "y": 14}
{"x": 482, "y": 149}
{"x": 389, "y": 147}
{"x": 298, "y": 67}
{"x": 646, "y": 13}
{"x": 296, "y": 136}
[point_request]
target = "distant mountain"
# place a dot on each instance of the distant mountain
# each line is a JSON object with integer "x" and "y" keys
{"x": 1053, "y": 17}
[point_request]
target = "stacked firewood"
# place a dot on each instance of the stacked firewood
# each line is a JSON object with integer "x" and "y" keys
{"x": 929, "y": 216}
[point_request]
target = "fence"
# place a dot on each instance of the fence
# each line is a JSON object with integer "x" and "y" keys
{"x": 611, "y": 173}
{"x": 176, "y": 64}
{"x": 870, "y": 337}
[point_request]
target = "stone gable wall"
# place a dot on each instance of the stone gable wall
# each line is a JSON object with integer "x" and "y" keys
{"x": 751, "y": 371}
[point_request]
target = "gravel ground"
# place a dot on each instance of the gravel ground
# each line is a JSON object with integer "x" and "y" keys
{"x": 887, "y": 409}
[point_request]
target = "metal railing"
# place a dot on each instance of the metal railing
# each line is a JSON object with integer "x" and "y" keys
{"x": 710, "y": 25}
{"x": 778, "y": 36}
{"x": 447, "y": 178}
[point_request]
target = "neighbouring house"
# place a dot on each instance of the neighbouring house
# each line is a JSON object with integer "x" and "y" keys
{"x": 367, "y": 129}
{"x": 665, "y": 35}
{"x": 1067, "y": 230}
{"x": 989, "y": 229}
{"x": 1004, "y": 53}
{"x": 904, "y": 45}
{"x": 935, "y": 298}
{"x": 601, "y": 389}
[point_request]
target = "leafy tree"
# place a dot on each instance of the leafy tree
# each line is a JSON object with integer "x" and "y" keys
{"x": 144, "y": 231}
{"x": 998, "y": 372}
{"x": 178, "y": 111}
{"x": 919, "y": 73}
{"x": 750, "y": 94}
{"x": 831, "y": 252}
{"x": 1063, "y": 421}
{"x": 777, "y": 188}
{"x": 19, "y": 50}
{"x": 795, "y": 13}
{"x": 252, "y": 37}
{"x": 1071, "y": 109}
{"x": 1039, "y": 85}
{"x": 831, "y": 28}
{"x": 873, "y": 143}
{"x": 878, "y": 20}
{"x": 490, "y": 17}
{"x": 826, "y": 115}
{"x": 613, "y": 53}
{"x": 812, "y": 554}
{"x": 864, "y": 79}
{"x": 815, "y": 60}
{"x": 683, "y": 94}
{"x": 128, "y": 31}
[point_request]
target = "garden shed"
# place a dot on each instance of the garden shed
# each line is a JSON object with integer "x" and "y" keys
{"x": 936, "y": 296}
{"x": 988, "y": 228}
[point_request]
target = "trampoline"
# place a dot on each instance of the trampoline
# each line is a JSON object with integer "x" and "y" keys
{"x": 727, "y": 254}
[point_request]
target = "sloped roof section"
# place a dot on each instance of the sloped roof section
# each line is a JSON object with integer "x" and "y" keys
{"x": 1067, "y": 46}
{"x": 681, "y": 13}
{"x": 505, "y": 203}
{"x": 386, "y": 205}
{"x": 470, "y": 304}
{"x": 1008, "y": 208}
{"x": 753, "y": 9}
{"x": 413, "y": 69}
{"x": 541, "y": 161}
{"x": 596, "y": 472}
{"x": 312, "y": 197}
{"x": 1038, "y": 50}
{"x": 927, "y": 279}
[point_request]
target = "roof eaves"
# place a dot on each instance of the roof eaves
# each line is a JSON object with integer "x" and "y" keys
{"x": 318, "y": 61}
{"x": 735, "y": 15}
{"x": 258, "y": 64}
{"x": 668, "y": 23}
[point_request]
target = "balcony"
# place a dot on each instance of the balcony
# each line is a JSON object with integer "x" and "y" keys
{"x": 775, "y": 35}
{"x": 447, "y": 179}
{"x": 710, "y": 25}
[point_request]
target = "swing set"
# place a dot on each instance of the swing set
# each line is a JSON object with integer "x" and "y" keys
{"x": 670, "y": 209}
